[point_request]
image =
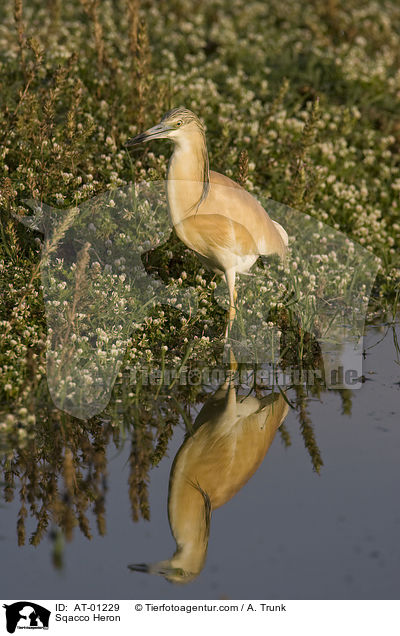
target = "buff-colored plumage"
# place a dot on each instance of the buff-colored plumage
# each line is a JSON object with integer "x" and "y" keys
{"x": 214, "y": 216}
{"x": 231, "y": 437}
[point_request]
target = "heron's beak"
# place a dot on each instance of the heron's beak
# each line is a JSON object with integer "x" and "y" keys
{"x": 139, "y": 567}
{"x": 157, "y": 132}
{"x": 161, "y": 568}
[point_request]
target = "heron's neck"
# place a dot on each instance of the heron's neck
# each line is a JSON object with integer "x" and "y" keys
{"x": 190, "y": 557}
{"x": 189, "y": 510}
{"x": 188, "y": 175}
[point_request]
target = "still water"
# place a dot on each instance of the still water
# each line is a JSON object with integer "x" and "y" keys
{"x": 288, "y": 533}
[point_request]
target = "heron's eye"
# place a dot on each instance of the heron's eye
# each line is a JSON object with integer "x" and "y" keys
{"x": 179, "y": 123}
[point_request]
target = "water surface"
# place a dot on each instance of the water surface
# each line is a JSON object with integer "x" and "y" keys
{"x": 288, "y": 533}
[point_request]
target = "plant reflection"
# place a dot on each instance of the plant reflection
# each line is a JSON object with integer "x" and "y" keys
{"x": 57, "y": 464}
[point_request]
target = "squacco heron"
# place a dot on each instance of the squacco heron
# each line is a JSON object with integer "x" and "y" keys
{"x": 214, "y": 216}
{"x": 231, "y": 437}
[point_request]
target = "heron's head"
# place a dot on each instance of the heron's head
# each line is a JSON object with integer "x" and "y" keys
{"x": 175, "y": 124}
{"x": 165, "y": 569}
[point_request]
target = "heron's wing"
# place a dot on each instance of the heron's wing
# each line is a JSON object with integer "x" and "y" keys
{"x": 212, "y": 408}
{"x": 267, "y": 400}
{"x": 231, "y": 200}
{"x": 211, "y": 234}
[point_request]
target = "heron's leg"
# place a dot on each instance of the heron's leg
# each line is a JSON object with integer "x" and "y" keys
{"x": 233, "y": 365}
{"x": 230, "y": 280}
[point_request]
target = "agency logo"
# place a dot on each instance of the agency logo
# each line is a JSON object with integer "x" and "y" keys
{"x": 26, "y": 615}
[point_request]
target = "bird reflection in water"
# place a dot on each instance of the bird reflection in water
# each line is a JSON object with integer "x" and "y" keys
{"x": 230, "y": 438}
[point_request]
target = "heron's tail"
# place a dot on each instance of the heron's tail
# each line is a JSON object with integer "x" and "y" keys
{"x": 282, "y": 232}
{"x": 274, "y": 241}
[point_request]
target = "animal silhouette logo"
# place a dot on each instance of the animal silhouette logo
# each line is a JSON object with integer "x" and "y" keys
{"x": 25, "y": 614}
